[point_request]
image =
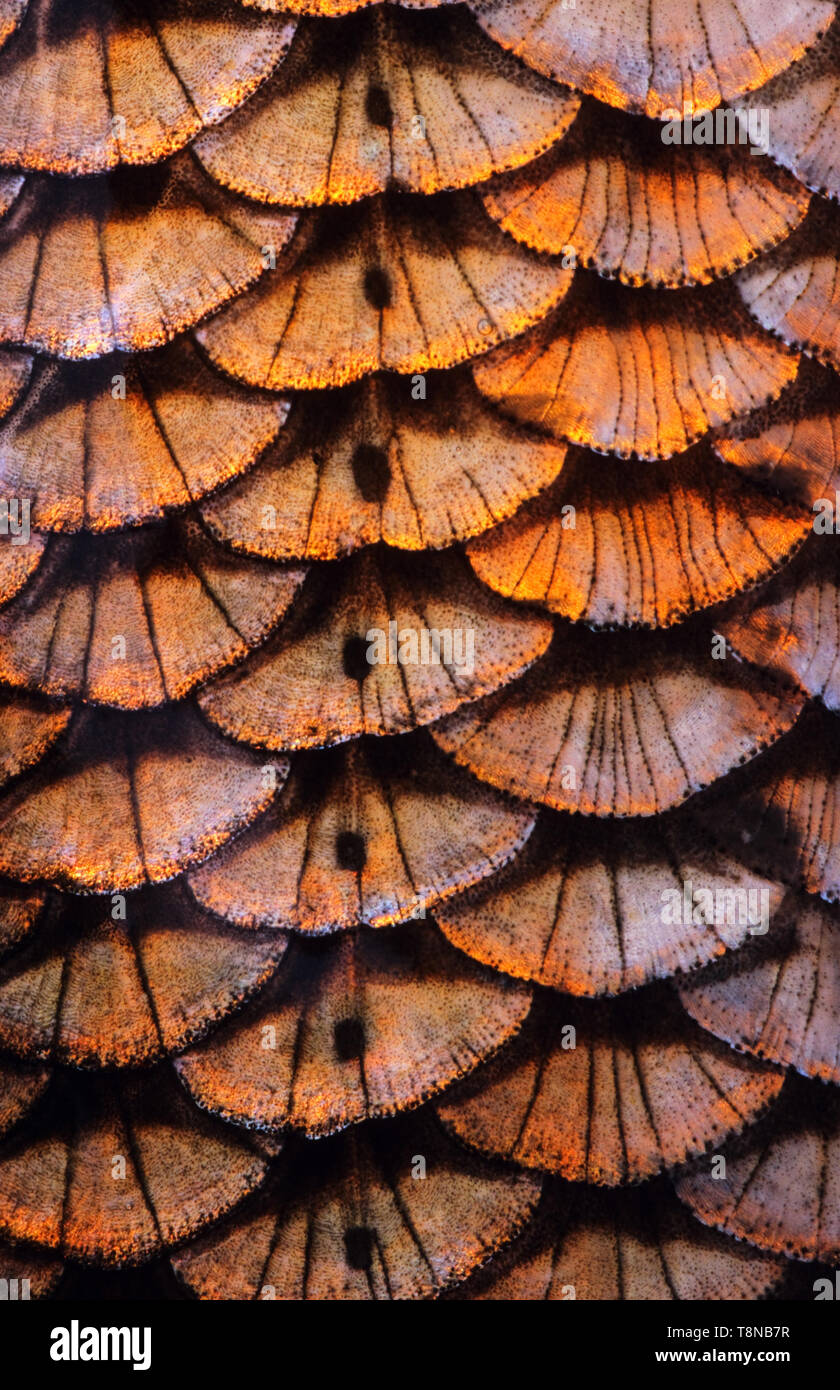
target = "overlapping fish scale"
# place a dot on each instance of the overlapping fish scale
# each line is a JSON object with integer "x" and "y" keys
{"x": 221, "y": 375}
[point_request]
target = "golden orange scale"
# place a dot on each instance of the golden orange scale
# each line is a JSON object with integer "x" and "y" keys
{"x": 640, "y": 1091}
{"x": 178, "y": 428}
{"x": 629, "y": 372}
{"x": 127, "y": 261}
{"x": 350, "y": 1222}
{"x": 778, "y": 1004}
{"x": 802, "y": 116}
{"x": 526, "y": 920}
{"x": 374, "y": 464}
{"x": 610, "y": 1249}
{"x": 21, "y": 1086}
{"x": 181, "y": 1169}
{"x": 387, "y": 643}
{"x": 131, "y": 86}
{"x": 385, "y": 99}
{"x": 364, "y": 835}
{"x": 795, "y": 445}
{"x": 615, "y": 197}
{"x": 405, "y": 284}
{"x": 363, "y": 1025}
{"x": 688, "y": 533}
{"x": 470, "y": 352}
{"x": 794, "y": 291}
{"x": 631, "y": 732}
{"x": 788, "y": 814}
{"x": 135, "y": 622}
{"x": 780, "y": 1190}
{"x": 127, "y": 801}
{"x": 11, "y": 14}
{"x": 15, "y": 369}
{"x": 31, "y": 725}
{"x": 653, "y": 58}
{"x": 91, "y": 991}
{"x": 793, "y": 627}
{"x": 18, "y": 562}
